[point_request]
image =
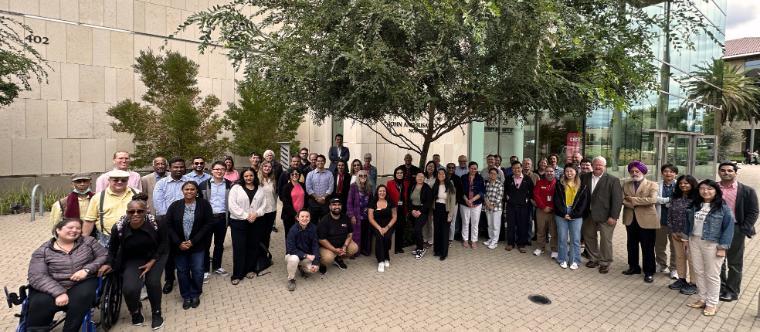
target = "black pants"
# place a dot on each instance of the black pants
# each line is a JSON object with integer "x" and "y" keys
{"x": 400, "y": 230}
{"x": 382, "y": 244}
{"x": 266, "y": 222}
{"x": 441, "y": 230}
{"x": 219, "y": 232}
{"x": 132, "y": 283}
{"x": 366, "y": 238}
{"x": 518, "y": 225}
{"x": 644, "y": 238}
{"x": 288, "y": 223}
{"x": 731, "y": 271}
{"x": 317, "y": 210}
{"x": 243, "y": 247}
{"x": 169, "y": 268}
{"x": 418, "y": 223}
{"x": 42, "y": 306}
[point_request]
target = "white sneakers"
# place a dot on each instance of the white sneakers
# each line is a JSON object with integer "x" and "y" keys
{"x": 674, "y": 275}
{"x": 205, "y": 277}
{"x": 537, "y": 252}
{"x": 563, "y": 265}
{"x": 554, "y": 255}
{"x": 573, "y": 266}
{"x": 387, "y": 263}
{"x": 381, "y": 267}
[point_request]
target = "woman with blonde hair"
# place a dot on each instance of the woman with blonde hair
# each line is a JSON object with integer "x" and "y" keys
{"x": 359, "y": 197}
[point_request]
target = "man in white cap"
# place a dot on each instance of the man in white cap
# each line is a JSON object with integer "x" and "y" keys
{"x": 74, "y": 205}
{"x": 107, "y": 206}
{"x": 120, "y": 162}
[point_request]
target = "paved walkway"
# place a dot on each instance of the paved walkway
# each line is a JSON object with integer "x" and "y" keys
{"x": 481, "y": 289}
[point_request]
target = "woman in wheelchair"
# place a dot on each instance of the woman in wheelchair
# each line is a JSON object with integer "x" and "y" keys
{"x": 62, "y": 277}
{"x": 137, "y": 250}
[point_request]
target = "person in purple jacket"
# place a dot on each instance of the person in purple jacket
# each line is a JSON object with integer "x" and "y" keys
{"x": 358, "y": 199}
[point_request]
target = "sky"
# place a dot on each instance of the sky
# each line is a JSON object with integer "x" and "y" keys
{"x": 742, "y": 19}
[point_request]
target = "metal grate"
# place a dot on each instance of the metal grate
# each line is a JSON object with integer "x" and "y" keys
{"x": 539, "y": 299}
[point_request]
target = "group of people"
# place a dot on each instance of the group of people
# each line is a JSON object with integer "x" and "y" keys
{"x": 172, "y": 222}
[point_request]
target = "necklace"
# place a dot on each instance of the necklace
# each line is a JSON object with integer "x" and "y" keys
{"x": 61, "y": 247}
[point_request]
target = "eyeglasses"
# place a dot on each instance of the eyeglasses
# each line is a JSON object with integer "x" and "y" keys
{"x": 450, "y": 167}
{"x": 200, "y": 163}
{"x": 131, "y": 212}
{"x": 117, "y": 180}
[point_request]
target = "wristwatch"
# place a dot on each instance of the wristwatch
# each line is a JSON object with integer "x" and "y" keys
{"x": 86, "y": 270}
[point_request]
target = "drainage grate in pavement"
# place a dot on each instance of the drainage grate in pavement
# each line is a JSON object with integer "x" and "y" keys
{"x": 539, "y": 299}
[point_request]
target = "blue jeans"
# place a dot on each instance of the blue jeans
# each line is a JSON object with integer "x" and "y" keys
{"x": 572, "y": 226}
{"x": 190, "y": 273}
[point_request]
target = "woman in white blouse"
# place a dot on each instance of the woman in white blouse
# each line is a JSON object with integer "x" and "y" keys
{"x": 246, "y": 206}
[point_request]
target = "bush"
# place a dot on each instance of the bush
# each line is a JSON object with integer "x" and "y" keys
{"x": 21, "y": 198}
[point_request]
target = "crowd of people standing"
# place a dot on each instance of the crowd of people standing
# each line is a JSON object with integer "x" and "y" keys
{"x": 172, "y": 222}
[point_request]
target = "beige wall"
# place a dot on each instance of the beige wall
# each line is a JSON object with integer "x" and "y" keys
{"x": 61, "y": 127}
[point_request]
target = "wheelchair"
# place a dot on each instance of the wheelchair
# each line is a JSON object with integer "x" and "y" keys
{"x": 102, "y": 316}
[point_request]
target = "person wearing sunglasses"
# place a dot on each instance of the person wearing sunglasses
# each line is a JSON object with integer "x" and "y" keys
{"x": 197, "y": 174}
{"x": 107, "y": 206}
{"x": 74, "y": 205}
{"x": 138, "y": 250}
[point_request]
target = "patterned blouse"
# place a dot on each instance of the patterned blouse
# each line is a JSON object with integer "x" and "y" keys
{"x": 494, "y": 195}
{"x": 677, "y": 214}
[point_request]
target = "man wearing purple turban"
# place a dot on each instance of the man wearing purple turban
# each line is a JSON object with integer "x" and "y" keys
{"x": 640, "y": 218}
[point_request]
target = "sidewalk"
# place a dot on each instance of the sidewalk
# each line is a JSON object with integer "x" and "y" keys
{"x": 473, "y": 289}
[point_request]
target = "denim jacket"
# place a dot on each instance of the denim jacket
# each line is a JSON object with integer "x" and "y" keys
{"x": 718, "y": 226}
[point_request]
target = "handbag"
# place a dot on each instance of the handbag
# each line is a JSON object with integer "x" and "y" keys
{"x": 263, "y": 262}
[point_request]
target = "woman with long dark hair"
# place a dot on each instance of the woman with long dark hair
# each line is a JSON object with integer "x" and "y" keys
{"x": 245, "y": 204}
{"x": 293, "y": 198}
{"x": 230, "y": 173}
{"x": 444, "y": 209}
{"x": 571, "y": 198}
{"x": 398, "y": 188}
{"x": 382, "y": 218}
{"x": 419, "y": 208}
{"x": 710, "y": 230}
{"x": 683, "y": 196}
{"x": 189, "y": 221}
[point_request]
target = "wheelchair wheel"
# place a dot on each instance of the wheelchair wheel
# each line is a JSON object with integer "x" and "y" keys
{"x": 110, "y": 301}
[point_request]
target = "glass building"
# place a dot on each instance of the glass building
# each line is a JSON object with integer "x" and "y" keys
{"x": 681, "y": 139}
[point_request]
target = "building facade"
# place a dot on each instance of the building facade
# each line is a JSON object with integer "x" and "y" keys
{"x": 744, "y": 53}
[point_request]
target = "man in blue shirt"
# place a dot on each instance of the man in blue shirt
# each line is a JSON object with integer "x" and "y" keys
{"x": 216, "y": 190}
{"x": 197, "y": 174}
{"x": 168, "y": 190}
{"x": 319, "y": 186}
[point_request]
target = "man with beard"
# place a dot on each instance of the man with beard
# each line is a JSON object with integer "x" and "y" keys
{"x": 334, "y": 232}
{"x": 640, "y": 218}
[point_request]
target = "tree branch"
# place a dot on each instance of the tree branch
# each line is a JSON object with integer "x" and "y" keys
{"x": 409, "y": 146}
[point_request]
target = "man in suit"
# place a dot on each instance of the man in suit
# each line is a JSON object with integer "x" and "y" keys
{"x": 604, "y": 210}
{"x": 338, "y": 152}
{"x": 641, "y": 221}
{"x": 742, "y": 200}
{"x": 148, "y": 182}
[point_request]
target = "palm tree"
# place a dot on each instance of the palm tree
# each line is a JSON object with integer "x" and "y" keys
{"x": 726, "y": 90}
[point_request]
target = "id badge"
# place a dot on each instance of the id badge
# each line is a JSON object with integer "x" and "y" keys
{"x": 400, "y": 203}
{"x": 548, "y": 198}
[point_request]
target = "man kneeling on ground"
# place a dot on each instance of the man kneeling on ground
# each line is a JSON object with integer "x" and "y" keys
{"x": 334, "y": 232}
{"x": 302, "y": 249}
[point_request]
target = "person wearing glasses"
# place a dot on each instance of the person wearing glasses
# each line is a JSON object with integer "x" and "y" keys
{"x": 305, "y": 163}
{"x": 137, "y": 250}
{"x": 216, "y": 191}
{"x": 74, "y": 205}
{"x": 197, "y": 174}
{"x": 106, "y": 207}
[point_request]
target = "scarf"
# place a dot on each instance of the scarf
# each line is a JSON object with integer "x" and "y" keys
{"x": 72, "y": 204}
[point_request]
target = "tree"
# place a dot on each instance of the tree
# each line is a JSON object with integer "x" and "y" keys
{"x": 433, "y": 66}
{"x": 19, "y": 62}
{"x": 261, "y": 120}
{"x": 175, "y": 120}
{"x": 724, "y": 90}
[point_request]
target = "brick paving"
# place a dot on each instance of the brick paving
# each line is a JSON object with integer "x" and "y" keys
{"x": 474, "y": 289}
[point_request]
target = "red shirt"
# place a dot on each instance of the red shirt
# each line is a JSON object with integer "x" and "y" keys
{"x": 543, "y": 192}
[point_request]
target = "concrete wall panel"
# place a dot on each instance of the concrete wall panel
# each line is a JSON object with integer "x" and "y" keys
{"x": 124, "y": 14}
{"x": 36, "y": 118}
{"x": 91, "y": 84}
{"x": 56, "y": 33}
{"x": 25, "y": 6}
{"x": 6, "y": 156}
{"x": 70, "y": 156}
{"x": 101, "y": 47}
{"x": 52, "y": 90}
{"x": 79, "y": 44}
{"x": 93, "y": 155}
{"x": 80, "y": 120}
{"x": 51, "y": 156}
{"x": 91, "y": 11}
{"x": 70, "y": 81}
{"x": 57, "y": 119}
{"x": 27, "y": 156}
{"x": 70, "y": 10}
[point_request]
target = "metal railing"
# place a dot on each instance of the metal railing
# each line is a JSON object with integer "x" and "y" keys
{"x": 37, "y": 193}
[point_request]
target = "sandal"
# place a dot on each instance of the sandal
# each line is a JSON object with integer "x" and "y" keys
{"x": 710, "y": 311}
{"x": 235, "y": 281}
{"x": 697, "y": 305}
{"x": 250, "y": 275}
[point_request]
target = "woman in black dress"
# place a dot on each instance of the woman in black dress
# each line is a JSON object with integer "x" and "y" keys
{"x": 382, "y": 217}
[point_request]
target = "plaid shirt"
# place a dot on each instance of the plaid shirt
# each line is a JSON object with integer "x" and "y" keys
{"x": 494, "y": 194}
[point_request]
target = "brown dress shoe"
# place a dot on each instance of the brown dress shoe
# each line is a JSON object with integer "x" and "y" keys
{"x": 509, "y": 248}
{"x": 604, "y": 269}
{"x": 592, "y": 264}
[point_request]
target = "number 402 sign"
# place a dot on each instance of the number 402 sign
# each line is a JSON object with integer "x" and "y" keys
{"x": 37, "y": 39}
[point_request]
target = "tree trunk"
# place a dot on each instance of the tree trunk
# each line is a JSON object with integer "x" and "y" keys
{"x": 424, "y": 153}
{"x": 751, "y": 135}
